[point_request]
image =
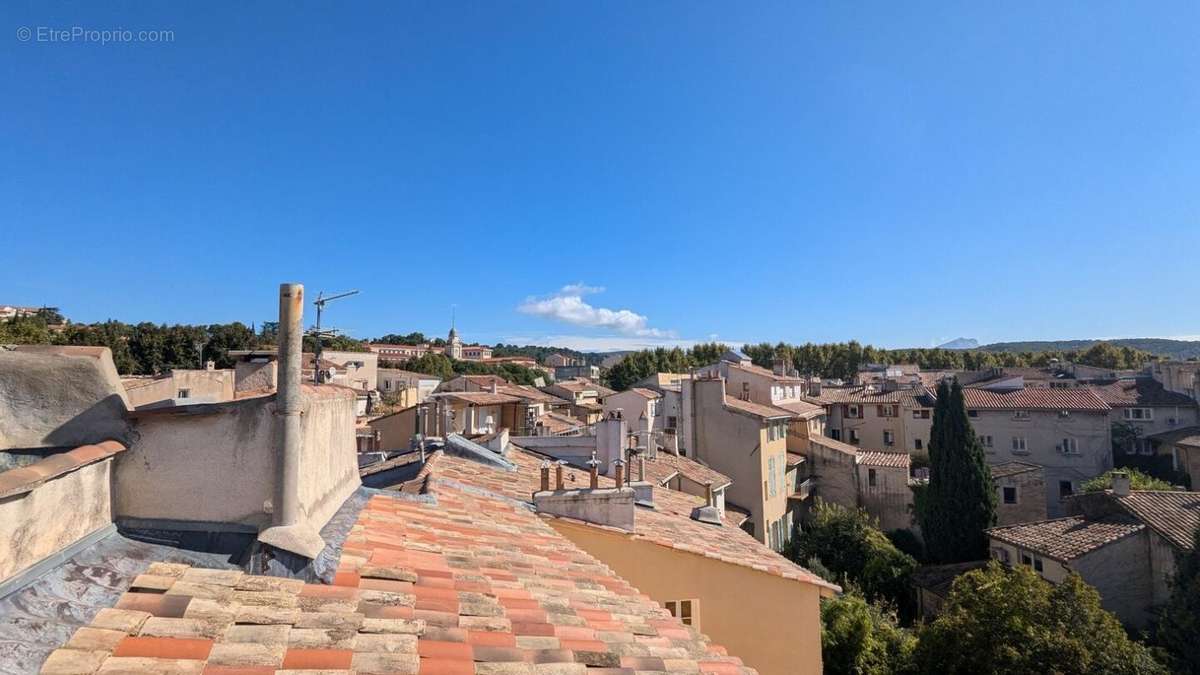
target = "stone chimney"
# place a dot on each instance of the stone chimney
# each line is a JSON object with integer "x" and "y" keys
{"x": 814, "y": 386}
{"x": 1120, "y": 483}
{"x": 610, "y": 438}
{"x": 779, "y": 366}
{"x": 612, "y": 507}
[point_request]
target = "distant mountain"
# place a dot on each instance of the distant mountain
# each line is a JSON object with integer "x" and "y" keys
{"x": 960, "y": 343}
{"x": 1175, "y": 349}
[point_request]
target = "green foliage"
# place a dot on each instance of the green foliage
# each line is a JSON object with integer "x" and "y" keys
{"x": 446, "y": 368}
{"x": 907, "y": 542}
{"x": 1137, "y": 481}
{"x": 415, "y": 338}
{"x": 843, "y": 359}
{"x": 542, "y": 353}
{"x": 851, "y": 547}
{"x": 639, "y": 365}
{"x": 859, "y": 638}
{"x": 998, "y": 620}
{"x": 1179, "y": 624}
{"x": 960, "y": 501}
{"x": 25, "y": 330}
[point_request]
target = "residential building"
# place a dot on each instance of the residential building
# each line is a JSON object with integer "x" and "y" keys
{"x": 562, "y": 360}
{"x": 1065, "y": 431}
{"x": 453, "y": 348}
{"x": 1122, "y": 542}
{"x": 12, "y": 311}
{"x": 1183, "y": 447}
{"x": 1182, "y": 377}
{"x": 586, "y": 398}
{"x": 642, "y": 410}
{"x": 746, "y": 441}
{"x": 1020, "y": 492}
{"x": 577, "y": 371}
{"x": 405, "y": 387}
{"x": 872, "y": 416}
{"x": 875, "y": 481}
{"x": 210, "y": 385}
{"x": 255, "y": 370}
{"x": 1145, "y": 408}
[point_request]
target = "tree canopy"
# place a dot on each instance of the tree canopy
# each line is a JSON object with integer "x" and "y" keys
{"x": 848, "y": 543}
{"x": 639, "y": 365}
{"x": 859, "y": 638}
{"x": 960, "y": 500}
{"x": 1137, "y": 481}
{"x": 999, "y": 620}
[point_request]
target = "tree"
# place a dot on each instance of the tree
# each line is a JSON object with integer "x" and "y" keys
{"x": 1137, "y": 481}
{"x": 1179, "y": 624}
{"x": 849, "y": 545}
{"x": 431, "y": 364}
{"x": 858, "y": 638}
{"x": 999, "y": 620}
{"x": 960, "y": 501}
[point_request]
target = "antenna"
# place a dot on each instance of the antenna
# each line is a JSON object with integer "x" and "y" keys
{"x": 320, "y": 335}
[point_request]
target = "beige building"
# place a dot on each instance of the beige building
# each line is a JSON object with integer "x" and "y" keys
{"x": 875, "y": 481}
{"x": 642, "y": 410}
{"x": 183, "y": 386}
{"x": 874, "y": 416}
{"x": 1182, "y": 377}
{"x": 585, "y": 398}
{"x": 1146, "y": 406}
{"x": 1121, "y": 542}
{"x": 1020, "y": 492}
{"x": 1065, "y": 431}
{"x": 407, "y": 388}
{"x": 1183, "y": 447}
{"x": 746, "y": 441}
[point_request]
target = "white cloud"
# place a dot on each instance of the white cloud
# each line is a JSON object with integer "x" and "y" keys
{"x": 568, "y": 306}
{"x": 598, "y": 343}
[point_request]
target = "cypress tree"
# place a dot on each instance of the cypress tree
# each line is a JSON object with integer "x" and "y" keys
{"x": 960, "y": 502}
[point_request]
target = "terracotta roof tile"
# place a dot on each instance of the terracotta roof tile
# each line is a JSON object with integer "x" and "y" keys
{"x": 665, "y": 465}
{"x": 1141, "y": 391}
{"x": 1068, "y": 538}
{"x": 755, "y": 409}
{"x": 454, "y": 581}
{"x": 1034, "y": 398}
{"x": 895, "y": 460}
{"x": 1175, "y": 515}
{"x": 26, "y": 478}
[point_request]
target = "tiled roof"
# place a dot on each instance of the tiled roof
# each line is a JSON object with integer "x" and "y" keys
{"x": 894, "y": 460}
{"x": 26, "y": 478}
{"x": 581, "y": 384}
{"x": 668, "y": 524}
{"x": 916, "y": 397}
{"x": 795, "y": 459}
{"x": 1006, "y": 469}
{"x": 756, "y": 409}
{"x": 466, "y": 584}
{"x": 802, "y": 409}
{"x": 835, "y": 445}
{"x": 665, "y": 465}
{"x": 1065, "y": 539}
{"x": 1034, "y": 398}
{"x": 403, "y": 459}
{"x": 529, "y": 393}
{"x": 556, "y": 422}
{"x": 1174, "y": 515}
{"x": 1189, "y": 436}
{"x": 478, "y": 397}
{"x": 1142, "y": 391}
{"x": 767, "y": 373}
{"x": 646, "y": 393}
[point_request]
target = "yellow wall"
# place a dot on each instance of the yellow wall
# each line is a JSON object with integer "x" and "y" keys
{"x": 771, "y": 623}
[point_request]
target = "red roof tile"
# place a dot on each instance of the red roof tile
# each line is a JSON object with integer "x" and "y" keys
{"x": 1034, "y": 398}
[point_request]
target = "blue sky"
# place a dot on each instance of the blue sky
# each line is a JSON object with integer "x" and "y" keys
{"x": 612, "y": 174}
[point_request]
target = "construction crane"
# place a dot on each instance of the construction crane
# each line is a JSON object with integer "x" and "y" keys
{"x": 318, "y": 334}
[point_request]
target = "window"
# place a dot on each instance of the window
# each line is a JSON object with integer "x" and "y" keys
{"x": 1026, "y": 559}
{"x": 1000, "y": 554}
{"x": 1139, "y": 414}
{"x": 687, "y": 611}
{"x": 885, "y": 411}
{"x": 1021, "y": 415}
{"x": 1010, "y": 495}
{"x": 1069, "y": 446}
{"x": 1037, "y": 564}
{"x": 889, "y": 438}
{"x": 853, "y": 411}
{"x": 872, "y": 479}
{"x": 1018, "y": 444}
{"x": 972, "y": 413}
{"x": 853, "y": 437}
{"x": 1065, "y": 489}
{"x": 387, "y": 385}
{"x": 184, "y": 393}
{"x": 771, "y": 482}
{"x": 835, "y": 434}
{"x": 918, "y": 444}
{"x": 985, "y": 441}
{"x": 922, "y": 414}
{"x": 671, "y": 422}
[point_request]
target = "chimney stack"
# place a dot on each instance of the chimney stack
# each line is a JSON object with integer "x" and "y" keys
{"x": 545, "y": 476}
{"x": 287, "y": 532}
{"x": 1120, "y": 483}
